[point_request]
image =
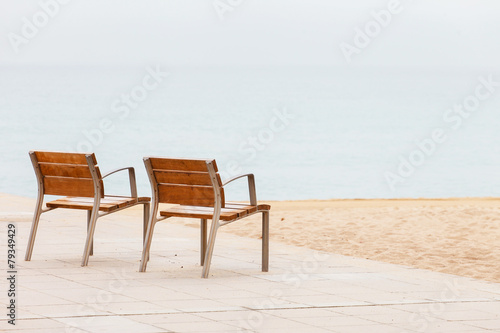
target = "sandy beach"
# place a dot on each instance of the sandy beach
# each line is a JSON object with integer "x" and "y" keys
{"x": 456, "y": 236}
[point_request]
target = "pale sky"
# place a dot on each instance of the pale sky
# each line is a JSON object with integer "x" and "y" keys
{"x": 440, "y": 33}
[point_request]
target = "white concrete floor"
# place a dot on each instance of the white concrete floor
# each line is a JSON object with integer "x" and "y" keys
{"x": 304, "y": 291}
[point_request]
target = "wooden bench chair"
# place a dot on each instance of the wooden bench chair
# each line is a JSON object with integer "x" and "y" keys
{"x": 197, "y": 189}
{"x": 77, "y": 176}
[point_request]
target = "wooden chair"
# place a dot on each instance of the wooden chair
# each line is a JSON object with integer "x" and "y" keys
{"x": 197, "y": 189}
{"x": 77, "y": 176}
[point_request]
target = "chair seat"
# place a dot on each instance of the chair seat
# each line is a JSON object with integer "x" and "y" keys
{"x": 232, "y": 211}
{"x": 108, "y": 203}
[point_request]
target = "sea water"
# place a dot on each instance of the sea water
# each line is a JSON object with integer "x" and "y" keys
{"x": 305, "y": 132}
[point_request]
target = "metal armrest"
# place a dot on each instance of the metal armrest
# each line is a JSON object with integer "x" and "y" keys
{"x": 131, "y": 175}
{"x": 251, "y": 186}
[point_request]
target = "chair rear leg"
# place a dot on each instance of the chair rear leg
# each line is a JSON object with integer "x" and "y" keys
{"x": 210, "y": 248}
{"x": 34, "y": 227}
{"x": 90, "y": 237}
{"x": 203, "y": 245}
{"x": 89, "y": 218}
{"x": 147, "y": 245}
{"x": 265, "y": 241}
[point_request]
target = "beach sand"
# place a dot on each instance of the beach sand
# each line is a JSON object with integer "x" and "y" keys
{"x": 456, "y": 236}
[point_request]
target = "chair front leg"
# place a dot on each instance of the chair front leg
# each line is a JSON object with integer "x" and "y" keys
{"x": 89, "y": 219}
{"x": 147, "y": 244}
{"x": 210, "y": 248}
{"x": 34, "y": 227}
{"x": 265, "y": 241}
{"x": 90, "y": 236}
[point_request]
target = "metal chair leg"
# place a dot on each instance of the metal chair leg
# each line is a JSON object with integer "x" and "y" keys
{"x": 210, "y": 248}
{"x": 203, "y": 245}
{"x": 147, "y": 246}
{"x": 90, "y": 237}
{"x": 265, "y": 241}
{"x": 34, "y": 227}
{"x": 145, "y": 224}
{"x": 89, "y": 218}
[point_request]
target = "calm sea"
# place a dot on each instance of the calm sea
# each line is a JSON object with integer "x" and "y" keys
{"x": 306, "y": 132}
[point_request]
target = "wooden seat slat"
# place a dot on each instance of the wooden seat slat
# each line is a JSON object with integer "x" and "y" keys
{"x": 227, "y": 214}
{"x": 107, "y": 204}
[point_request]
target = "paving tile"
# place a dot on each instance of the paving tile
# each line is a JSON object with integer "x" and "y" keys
{"x": 485, "y": 324}
{"x": 66, "y": 310}
{"x": 107, "y": 324}
{"x": 138, "y": 307}
{"x": 467, "y": 315}
{"x": 374, "y": 328}
{"x": 176, "y": 317}
{"x": 204, "y": 326}
{"x": 32, "y": 324}
{"x": 301, "y": 313}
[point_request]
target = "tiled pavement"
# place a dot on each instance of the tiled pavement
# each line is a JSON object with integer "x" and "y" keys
{"x": 305, "y": 291}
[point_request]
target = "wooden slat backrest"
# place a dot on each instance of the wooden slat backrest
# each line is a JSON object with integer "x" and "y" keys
{"x": 67, "y": 174}
{"x": 60, "y": 157}
{"x": 185, "y": 181}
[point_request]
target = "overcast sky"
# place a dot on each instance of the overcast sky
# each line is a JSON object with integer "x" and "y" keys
{"x": 250, "y": 32}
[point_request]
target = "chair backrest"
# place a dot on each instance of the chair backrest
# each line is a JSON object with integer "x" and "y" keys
{"x": 184, "y": 181}
{"x": 66, "y": 174}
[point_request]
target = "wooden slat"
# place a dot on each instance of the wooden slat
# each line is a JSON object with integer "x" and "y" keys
{"x": 202, "y": 213}
{"x": 65, "y": 170}
{"x": 186, "y": 195}
{"x": 263, "y": 207}
{"x": 77, "y": 187}
{"x": 107, "y": 203}
{"x": 251, "y": 209}
{"x": 60, "y": 157}
{"x": 174, "y": 164}
{"x": 183, "y": 177}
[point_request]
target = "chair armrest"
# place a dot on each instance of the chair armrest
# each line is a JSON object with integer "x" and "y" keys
{"x": 251, "y": 186}
{"x": 131, "y": 175}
